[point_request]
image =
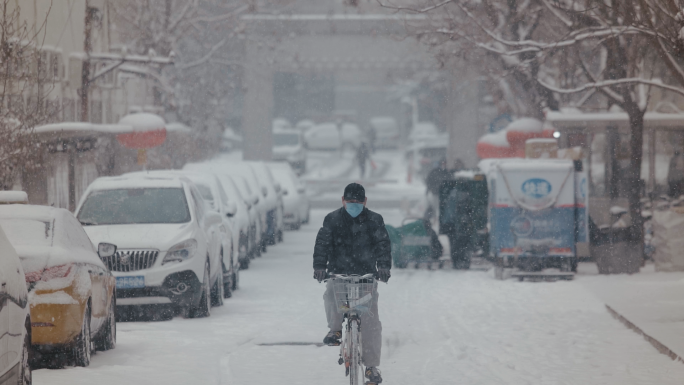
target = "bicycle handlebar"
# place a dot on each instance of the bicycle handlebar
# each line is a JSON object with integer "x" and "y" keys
{"x": 348, "y": 276}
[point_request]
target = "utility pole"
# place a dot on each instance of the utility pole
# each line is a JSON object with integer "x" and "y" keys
{"x": 85, "y": 83}
{"x": 87, "y": 49}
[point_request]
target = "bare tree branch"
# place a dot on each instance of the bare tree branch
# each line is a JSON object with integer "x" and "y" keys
{"x": 414, "y": 10}
{"x": 608, "y": 83}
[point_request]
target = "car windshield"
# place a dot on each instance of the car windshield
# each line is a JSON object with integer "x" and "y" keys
{"x": 28, "y": 232}
{"x": 133, "y": 206}
{"x": 283, "y": 139}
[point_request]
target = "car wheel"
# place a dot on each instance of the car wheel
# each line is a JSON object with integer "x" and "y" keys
{"x": 244, "y": 264}
{"x": 25, "y": 374}
{"x": 107, "y": 338}
{"x": 83, "y": 346}
{"x": 228, "y": 286}
{"x": 236, "y": 279}
{"x": 217, "y": 292}
{"x": 257, "y": 248}
{"x": 203, "y": 308}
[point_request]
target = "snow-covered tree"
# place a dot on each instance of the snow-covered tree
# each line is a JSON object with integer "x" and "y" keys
{"x": 197, "y": 90}
{"x": 24, "y": 89}
{"x": 561, "y": 51}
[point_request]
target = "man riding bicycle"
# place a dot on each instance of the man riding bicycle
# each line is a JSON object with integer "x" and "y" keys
{"x": 353, "y": 240}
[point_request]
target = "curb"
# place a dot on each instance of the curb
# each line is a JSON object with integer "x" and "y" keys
{"x": 656, "y": 344}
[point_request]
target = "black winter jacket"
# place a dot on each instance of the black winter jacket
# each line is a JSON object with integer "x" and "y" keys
{"x": 346, "y": 245}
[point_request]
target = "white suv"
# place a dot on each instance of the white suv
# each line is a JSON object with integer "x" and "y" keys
{"x": 168, "y": 250}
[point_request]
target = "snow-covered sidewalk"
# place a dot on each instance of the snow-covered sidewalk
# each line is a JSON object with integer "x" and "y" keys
{"x": 439, "y": 327}
{"x": 652, "y": 302}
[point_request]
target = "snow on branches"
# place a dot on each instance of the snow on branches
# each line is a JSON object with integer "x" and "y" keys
{"x": 25, "y": 87}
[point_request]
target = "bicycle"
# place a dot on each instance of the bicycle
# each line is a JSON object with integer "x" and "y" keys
{"x": 353, "y": 297}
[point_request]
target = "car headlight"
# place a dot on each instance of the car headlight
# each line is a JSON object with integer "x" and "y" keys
{"x": 181, "y": 252}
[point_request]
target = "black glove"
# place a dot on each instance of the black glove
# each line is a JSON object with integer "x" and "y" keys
{"x": 319, "y": 275}
{"x": 384, "y": 275}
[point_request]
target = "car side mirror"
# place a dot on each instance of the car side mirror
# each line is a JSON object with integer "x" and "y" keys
{"x": 284, "y": 191}
{"x": 231, "y": 209}
{"x": 106, "y": 250}
{"x": 212, "y": 218}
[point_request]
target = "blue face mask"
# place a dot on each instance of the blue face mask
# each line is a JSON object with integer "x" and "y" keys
{"x": 354, "y": 209}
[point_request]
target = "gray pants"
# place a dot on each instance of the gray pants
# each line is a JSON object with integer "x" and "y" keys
{"x": 371, "y": 328}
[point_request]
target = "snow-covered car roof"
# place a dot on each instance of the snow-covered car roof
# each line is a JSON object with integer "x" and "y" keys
{"x": 280, "y": 166}
{"x": 229, "y": 168}
{"x": 281, "y": 123}
{"x": 33, "y": 212}
{"x": 383, "y": 122}
{"x": 280, "y": 130}
{"x": 64, "y": 240}
{"x": 9, "y": 197}
{"x": 283, "y": 174}
{"x": 305, "y": 124}
{"x": 437, "y": 142}
{"x": 423, "y": 128}
{"x": 138, "y": 180}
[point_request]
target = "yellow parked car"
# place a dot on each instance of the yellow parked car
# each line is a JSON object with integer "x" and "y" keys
{"x": 71, "y": 292}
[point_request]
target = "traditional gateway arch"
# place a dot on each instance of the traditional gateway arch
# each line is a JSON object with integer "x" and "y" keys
{"x": 348, "y": 61}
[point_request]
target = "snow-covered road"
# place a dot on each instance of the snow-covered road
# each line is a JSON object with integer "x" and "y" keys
{"x": 440, "y": 327}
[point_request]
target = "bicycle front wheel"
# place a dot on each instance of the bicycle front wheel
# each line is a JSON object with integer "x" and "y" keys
{"x": 355, "y": 368}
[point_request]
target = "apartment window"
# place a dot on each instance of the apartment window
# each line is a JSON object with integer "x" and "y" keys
{"x": 55, "y": 65}
{"x": 43, "y": 65}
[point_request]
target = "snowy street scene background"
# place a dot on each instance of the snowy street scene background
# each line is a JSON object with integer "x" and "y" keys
{"x": 482, "y": 191}
{"x": 449, "y": 326}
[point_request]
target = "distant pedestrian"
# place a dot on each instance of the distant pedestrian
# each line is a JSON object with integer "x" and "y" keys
{"x": 362, "y": 157}
{"x": 372, "y": 137}
{"x": 437, "y": 177}
{"x": 433, "y": 184}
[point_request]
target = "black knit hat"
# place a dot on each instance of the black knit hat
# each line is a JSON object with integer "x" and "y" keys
{"x": 354, "y": 192}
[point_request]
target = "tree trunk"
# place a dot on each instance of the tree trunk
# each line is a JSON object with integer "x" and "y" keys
{"x": 636, "y": 144}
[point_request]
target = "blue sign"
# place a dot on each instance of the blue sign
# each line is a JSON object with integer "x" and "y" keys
{"x": 536, "y": 188}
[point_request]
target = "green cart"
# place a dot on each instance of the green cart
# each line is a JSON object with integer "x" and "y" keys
{"x": 414, "y": 241}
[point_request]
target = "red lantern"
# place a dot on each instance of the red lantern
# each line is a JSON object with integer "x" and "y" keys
{"x": 143, "y": 140}
{"x": 148, "y": 131}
